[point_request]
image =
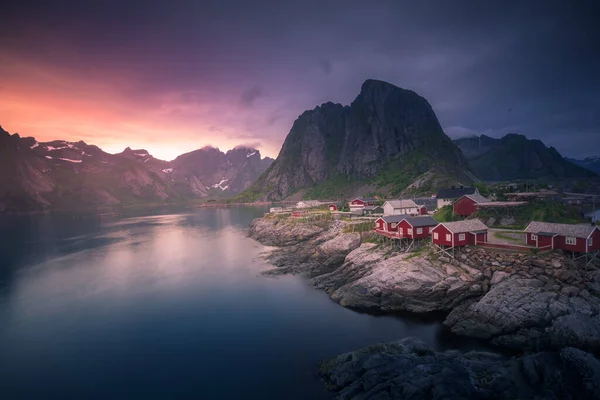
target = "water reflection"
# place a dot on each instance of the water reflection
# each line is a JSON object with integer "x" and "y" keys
{"x": 157, "y": 306}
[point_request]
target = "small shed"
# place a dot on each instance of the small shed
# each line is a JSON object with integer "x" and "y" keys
{"x": 299, "y": 213}
{"x": 370, "y": 210}
{"x": 459, "y": 233}
{"x": 335, "y": 207}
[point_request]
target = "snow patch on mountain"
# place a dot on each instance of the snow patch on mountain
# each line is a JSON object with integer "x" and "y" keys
{"x": 36, "y": 144}
{"x": 48, "y": 157}
{"x": 69, "y": 160}
{"x": 220, "y": 184}
{"x": 251, "y": 154}
{"x": 167, "y": 170}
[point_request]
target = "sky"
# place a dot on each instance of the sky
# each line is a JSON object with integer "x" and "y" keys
{"x": 174, "y": 76}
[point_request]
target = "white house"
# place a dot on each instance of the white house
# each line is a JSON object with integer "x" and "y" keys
{"x": 400, "y": 207}
{"x": 308, "y": 203}
{"x": 276, "y": 209}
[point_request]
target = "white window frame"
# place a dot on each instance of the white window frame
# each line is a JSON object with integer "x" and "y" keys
{"x": 534, "y": 237}
{"x": 461, "y": 236}
{"x": 419, "y": 231}
{"x": 409, "y": 231}
{"x": 448, "y": 237}
{"x": 570, "y": 241}
{"x": 590, "y": 241}
{"x": 435, "y": 235}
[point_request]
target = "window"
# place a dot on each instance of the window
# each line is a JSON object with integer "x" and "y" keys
{"x": 461, "y": 236}
{"x": 533, "y": 237}
{"x": 435, "y": 235}
{"x": 448, "y": 237}
{"x": 394, "y": 225}
{"x": 419, "y": 231}
{"x": 590, "y": 242}
{"x": 409, "y": 231}
{"x": 570, "y": 240}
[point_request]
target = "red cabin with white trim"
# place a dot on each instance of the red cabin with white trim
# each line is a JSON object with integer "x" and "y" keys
{"x": 459, "y": 233}
{"x": 467, "y": 204}
{"x": 416, "y": 227}
{"x": 579, "y": 238}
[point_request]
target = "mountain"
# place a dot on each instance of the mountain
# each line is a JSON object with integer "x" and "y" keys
{"x": 516, "y": 157}
{"x": 61, "y": 174}
{"x": 589, "y": 163}
{"x": 388, "y": 137}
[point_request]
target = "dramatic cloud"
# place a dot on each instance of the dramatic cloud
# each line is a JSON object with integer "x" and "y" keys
{"x": 178, "y": 75}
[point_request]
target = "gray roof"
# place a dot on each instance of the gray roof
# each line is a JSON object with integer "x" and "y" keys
{"x": 401, "y": 203}
{"x": 468, "y": 225}
{"x": 393, "y": 218}
{"x": 365, "y": 199}
{"x": 571, "y": 230}
{"x": 455, "y": 192}
{"x": 477, "y": 198}
{"x": 421, "y": 221}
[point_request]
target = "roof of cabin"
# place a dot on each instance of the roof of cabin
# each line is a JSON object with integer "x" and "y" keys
{"x": 477, "y": 198}
{"x": 572, "y": 230}
{"x": 365, "y": 199}
{"x": 421, "y": 221}
{"x": 455, "y": 193}
{"x": 468, "y": 225}
{"x": 393, "y": 218}
{"x": 401, "y": 203}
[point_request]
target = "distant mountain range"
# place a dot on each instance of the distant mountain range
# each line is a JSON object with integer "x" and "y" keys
{"x": 389, "y": 139}
{"x": 61, "y": 174}
{"x": 590, "y": 163}
{"x": 517, "y": 157}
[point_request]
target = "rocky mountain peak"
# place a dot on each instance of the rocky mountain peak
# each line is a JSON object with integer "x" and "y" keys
{"x": 384, "y": 124}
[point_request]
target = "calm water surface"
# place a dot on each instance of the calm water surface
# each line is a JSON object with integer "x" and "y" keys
{"x": 166, "y": 306}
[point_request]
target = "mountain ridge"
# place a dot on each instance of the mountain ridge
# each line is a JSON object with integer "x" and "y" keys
{"x": 515, "y": 156}
{"x": 62, "y": 174}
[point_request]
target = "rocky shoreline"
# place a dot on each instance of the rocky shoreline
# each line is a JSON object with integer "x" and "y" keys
{"x": 532, "y": 303}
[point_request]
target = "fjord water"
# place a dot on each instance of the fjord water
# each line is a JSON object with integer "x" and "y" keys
{"x": 166, "y": 305}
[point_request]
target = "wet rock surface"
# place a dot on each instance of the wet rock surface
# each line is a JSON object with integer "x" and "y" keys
{"x": 408, "y": 369}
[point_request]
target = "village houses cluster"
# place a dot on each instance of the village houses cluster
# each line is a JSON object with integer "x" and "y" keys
{"x": 407, "y": 224}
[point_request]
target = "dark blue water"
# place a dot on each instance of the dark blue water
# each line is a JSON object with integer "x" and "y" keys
{"x": 166, "y": 306}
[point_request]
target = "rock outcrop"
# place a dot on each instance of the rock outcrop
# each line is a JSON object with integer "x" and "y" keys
{"x": 308, "y": 249}
{"x": 384, "y": 128}
{"x": 526, "y": 314}
{"x": 408, "y": 369}
{"x": 369, "y": 280}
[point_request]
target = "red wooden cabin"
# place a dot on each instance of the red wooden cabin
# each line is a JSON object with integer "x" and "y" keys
{"x": 416, "y": 227}
{"x": 335, "y": 207}
{"x": 467, "y": 204}
{"x": 459, "y": 233}
{"x": 361, "y": 202}
{"x": 299, "y": 213}
{"x": 423, "y": 210}
{"x": 578, "y": 238}
{"x": 388, "y": 223}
